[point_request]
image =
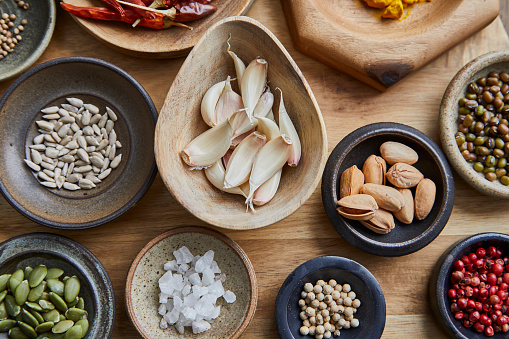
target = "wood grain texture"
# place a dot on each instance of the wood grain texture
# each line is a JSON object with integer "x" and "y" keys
{"x": 275, "y": 251}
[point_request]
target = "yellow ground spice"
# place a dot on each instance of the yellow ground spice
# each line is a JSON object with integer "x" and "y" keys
{"x": 393, "y": 9}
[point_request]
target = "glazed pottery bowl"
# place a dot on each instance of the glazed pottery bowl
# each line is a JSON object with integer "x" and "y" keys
{"x": 96, "y": 82}
{"x": 142, "y": 289}
{"x": 371, "y": 313}
{"x": 56, "y": 251}
{"x": 354, "y": 149}
{"x": 440, "y": 281}
{"x": 180, "y": 122}
{"x": 471, "y": 72}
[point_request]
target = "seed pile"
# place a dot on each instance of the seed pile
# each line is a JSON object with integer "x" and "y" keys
{"x": 327, "y": 308}
{"x": 76, "y": 148}
{"x": 35, "y": 303}
{"x": 10, "y": 34}
{"x": 189, "y": 291}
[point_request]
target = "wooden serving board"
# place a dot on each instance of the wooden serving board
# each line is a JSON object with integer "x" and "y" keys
{"x": 351, "y": 37}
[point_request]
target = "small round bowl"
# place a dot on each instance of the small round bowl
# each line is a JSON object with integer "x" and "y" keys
{"x": 56, "y": 251}
{"x": 36, "y": 35}
{"x": 96, "y": 82}
{"x": 354, "y": 149}
{"x": 371, "y": 313}
{"x": 477, "y": 68}
{"x": 142, "y": 288}
{"x": 440, "y": 281}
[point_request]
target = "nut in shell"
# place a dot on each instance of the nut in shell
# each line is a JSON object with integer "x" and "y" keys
{"x": 357, "y": 207}
{"x": 351, "y": 181}
{"x": 386, "y": 197}
{"x": 403, "y": 175}
{"x": 424, "y": 198}
{"x": 406, "y": 213}
{"x": 394, "y": 152}
{"x": 382, "y": 222}
{"x": 374, "y": 170}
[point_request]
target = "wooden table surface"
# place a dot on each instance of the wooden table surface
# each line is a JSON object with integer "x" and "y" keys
{"x": 346, "y": 104}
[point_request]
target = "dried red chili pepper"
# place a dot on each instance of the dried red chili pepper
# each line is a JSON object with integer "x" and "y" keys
{"x": 189, "y": 11}
{"x": 171, "y": 3}
{"x": 141, "y": 12}
{"x": 116, "y": 6}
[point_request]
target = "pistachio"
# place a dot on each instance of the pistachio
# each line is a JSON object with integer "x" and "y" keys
{"x": 394, "y": 152}
{"x": 382, "y": 222}
{"x": 424, "y": 198}
{"x": 403, "y": 175}
{"x": 357, "y": 207}
{"x": 386, "y": 197}
{"x": 406, "y": 214}
{"x": 351, "y": 181}
{"x": 374, "y": 170}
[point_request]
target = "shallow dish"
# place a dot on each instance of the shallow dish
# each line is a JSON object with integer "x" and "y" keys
{"x": 371, "y": 313}
{"x": 96, "y": 82}
{"x": 180, "y": 122}
{"x": 479, "y": 67}
{"x": 142, "y": 289}
{"x": 36, "y": 35}
{"x": 172, "y": 42}
{"x": 440, "y": 282}
{"x": 54, "y": 250}
{"x": 354, "y": 149}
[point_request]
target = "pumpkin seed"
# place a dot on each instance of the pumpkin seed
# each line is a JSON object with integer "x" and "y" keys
{"x": 29, "y": 318}
{"x": 12, "y": 308}
{"x": 76, "y": 314}
{"x": 52, "y": 316}
{"x": 54, "y": 273}
{"x": 7, "y": 324}
{"x": 58, "y": 301}
{"x": 56, "y": 286}
{"x": 4, "y": 279}
{"x": 21, "y": 293}
{"x": 73, "y": 303}
{"x": 36, "y": 293}
{"x": 74, "y": 332}
{"x": 16, "y": 279}
{"x": 72, "y": 288}
{"x": 27, "y": 329}
{"x": 17, "y": 333}
{"x": 62, "y": 317}
{"x": 37, "y": 276}
{"x": 81, "y": 304}
{"x": 2, "y": 295}
{"x": 28, "y": 270}
{"x": 44, "y": 296}
{"x": 34, "y": 306}
{"x": 46, "y": 305}
{"x": 84, "y": 326}
{"x": 62, "y": 326}
{"x": 44, "y": 327}
{"x": 3, "y": 311}
{"x": 36, "y": 315}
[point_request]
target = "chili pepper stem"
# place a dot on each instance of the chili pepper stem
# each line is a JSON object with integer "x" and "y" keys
{"x": 168, "y": 12}
{"x": 155, "y": 4}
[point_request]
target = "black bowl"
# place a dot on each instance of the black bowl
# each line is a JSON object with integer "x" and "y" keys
{"x": 56, "y": 251}
{"x": 440, "y": 281}
{"x": 354, "y": 149}
{"x": 371, "y": 313}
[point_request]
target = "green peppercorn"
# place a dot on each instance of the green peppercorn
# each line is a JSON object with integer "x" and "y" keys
{"x": 504, "y": 180}
{"x": 478, "y": 167}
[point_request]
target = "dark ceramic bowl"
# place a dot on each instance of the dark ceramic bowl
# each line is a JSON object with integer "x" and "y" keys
{"x": 73, "y": 258}
{"x": 371, "y": 313}
{"x": 354, "y": 149}
{"x": 36, "y": 35}
{"x": 96, "y": 82}
{"x": 440, "y": 281}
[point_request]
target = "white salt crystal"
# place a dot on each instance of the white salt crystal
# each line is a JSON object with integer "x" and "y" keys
{"x": 207, "y": 277}
{"x": 183, "y": 268}
{"x": 183, "y": 255}
{"x": 179, "y": 326}
{"x": 221, "y": 277}
{"x": 195, "y": 259}
{"x": 229, "y": 296}
{"x": 215, "y": 268}
{"x": 204, "y": 262}
{"x": 186, "y": 290}
{"x": 190, "y": 300}
{"x": 177, "y": 303}
{"x": 189, "y": 313}
{"x": 163, "y": 324}
{"x": 195, "y": 279}
{"x": 172, "y": 317}
{"x": 163, "y": 298}
{"x": 171, "y": 266}
{"x": 178, "y": 282}
{"x": 199, "y": 291}
{"x": 166, "y": 277}
{"x": 162, "y": 309}
{"x": 214, "y": 314}
{"x": 216, "y": 289}
{"x": 189, "y": 272}
{"x": 200, "y": 326}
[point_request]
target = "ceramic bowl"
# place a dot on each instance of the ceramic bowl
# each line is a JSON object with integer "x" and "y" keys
{"x": 142, "y": 289}
{"x": 477, "y": 68}
{"x": 36, "y": 35}
{"x": 96, "y": 82}
{"x": 371, "y": 313}
{"x": 440, "y": 281}
{"x": 56, "y": 251}
{"x": 354, "y": 149}
{"x": 180, "y": 122}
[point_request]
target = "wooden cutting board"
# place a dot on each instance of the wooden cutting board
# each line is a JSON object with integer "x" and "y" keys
{"x": 351, "y": 37}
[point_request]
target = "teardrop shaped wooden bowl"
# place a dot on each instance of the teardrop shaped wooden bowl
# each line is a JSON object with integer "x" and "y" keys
{"x": 180, "y": 121}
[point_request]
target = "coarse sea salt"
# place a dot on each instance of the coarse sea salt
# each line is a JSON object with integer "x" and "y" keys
{"x": 190, "y": 289}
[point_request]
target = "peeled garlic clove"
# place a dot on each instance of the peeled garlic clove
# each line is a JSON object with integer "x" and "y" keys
{"x": 264, "y": 105}
{"x": 253, "y": 83}
{"x": 208, "y": 147}
{"x": 270, "y": 116}
{"x": 286, "y": 126}
{"x": 209, "y": 103}
{"x": 226, "y": 158}
{"x": 229, "y": 102}
{"x": 267, "y": 190}
{"x": 270, "y": 159}
{"x": 268, "y": 128}
{"x": 241, "y": 160}
{"x": 215, "y": 175}
{"x": 241, "y": 123}
{"x": 240, "y": 67}
{"x": 237, "y": 140}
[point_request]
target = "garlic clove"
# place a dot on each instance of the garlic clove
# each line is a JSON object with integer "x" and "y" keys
{"x": 226, "y": 158}
{"x": 209, "y": 103}
{"x": 242, "y": 158}
{"x": 241, "y": 123}
{"x": 286, "y": 126}
{"x": 264, "y": 104}
{"x": 208, "y": 147}
{"x": 229, "y": 102}
{"x": 267, "y": 190}
{"x": 271, "y": 116}
{"x": 237, "y": 140}
{"x": 240, "y": 67}
{"x": 253, "y": 83}
{"x": 215, "y": 175}
{"x": 268, "y": 128}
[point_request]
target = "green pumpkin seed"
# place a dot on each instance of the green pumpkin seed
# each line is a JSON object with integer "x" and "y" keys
{"x": 76, "y": 314}
{"x": 64, "y": 279}
{"x": 44, "y": 296}
{"x": 52, "y": 316}
{"x": 21, "y": 294}
{"x": 54, "y": 273}
{"x": 28, "y": 270}
{"x": 29, "y": 318}
{"x": 3, "y": 311}
{"x": 27, "y": 329}
{"x": 37, "y": 275}
{"x": 4, "y": 279}
{"x": 50, "y": 335}
{"x": 62, "y": 326}
{"x": 36, "y": 293}
{"x": 72, "y": 288}
{"x": 7, "y": 324}
{"x": 19, "y": 317}
{"x": 12, "y": 308}
{"x": 44, "y": 327}
{"x": 16, "y": 279}
{"x": 56, "y": 286}
{"x": 46, "y": 305}
{"x": 81, "y": 304}
{"x": 36, "y": 315}
{"x": 62, "y": 317}
{"x": 74, "y": 332}
{"x": 84, "y": 326}
{"x": 73, "y": 303}
{"x": 2, "y": 295}
{"x": 58, "y": 301}
{"x": 17, "y": 333}
{"x": 34, "y": 306}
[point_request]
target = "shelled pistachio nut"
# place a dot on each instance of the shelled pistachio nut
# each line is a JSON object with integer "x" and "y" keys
{"x": 394, "y": 152}
{"x": 357, "y": 207}
{"x": 403, "y": 175}
{"x": 386, "y": 197}
{"x": 374, "y": 169}
{"x": 351, "y": 181}
{"x": 424, "y": 198}
{"x": 382, "y": 222}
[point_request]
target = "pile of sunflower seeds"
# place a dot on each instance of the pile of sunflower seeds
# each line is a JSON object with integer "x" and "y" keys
{"x": 76, "y": 148}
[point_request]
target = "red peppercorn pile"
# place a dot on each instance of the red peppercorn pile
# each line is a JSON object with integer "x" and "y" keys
{"x": 479, "y": 294}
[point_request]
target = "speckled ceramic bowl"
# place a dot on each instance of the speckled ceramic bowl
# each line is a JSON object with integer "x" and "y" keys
{"x": 477, "y": 68}
{"x": 142, "y": 289}
{"x": 54, "y": 250}
{"x": 41, "y": 17}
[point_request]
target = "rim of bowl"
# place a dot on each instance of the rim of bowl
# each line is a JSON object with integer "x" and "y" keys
{"x": 448, "y": 123}
{"x": 40, "y": 48}
{"x": 136, "y": 197}
{"x": 330, "y": 182}
{"x": 316, "y": 264}
{"x": 85, "y": 259}
{"x": 441, "y": 273}
{"x": 207, "y": 231}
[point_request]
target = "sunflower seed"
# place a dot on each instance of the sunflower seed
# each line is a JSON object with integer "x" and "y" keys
{"x": 71, "y": 187}
{"x": 109, "y": 126}
{"x": 83, "y": 155}
{"x": 111, "y": 114}
{"x": 51, "y": 152}
{"x": 39, "y": 139}
{"x": 86, "y": 184}
{"x": 49, "y": 138}
{"x": 74, "y": 178}
{"x": 106, "y": 164}
{"x": 45, "y": 177}
{"x": 60, "y": 181}
{"x": 91, "y": 141}
{"x": 33, "y": 166}
{"x": 47, "y": 165}
{"x": 63, "y": 131}
{"x": 93, "y": 178}
{"x": 75, "y": 128}
{"x": 39, "y": 147}
{"x": 65, "y": 140}
{"x": 116, "y": 161}
{"x": 36, "y": 156}
{"x": 70, "y": 108}
{"x": 96, "y": 129}
{"x": 51, "y": 116}
{"x": 104, "y": 174}
{"x": 63, "y": 112}
{"x": 50, "y": 110}
{"x": 85, "y": 118}
{"x": 45, "y": 125}
{"x": 49, "y": 173}
{"x": 92, "y": 108}
{"x": 67, "y": 120}
{"x": 87, "y": 130}
{"x": 75, "y": 102}
{"x": 72, "y": 145}
{"x": 56, "y": 137}
{"x": 95, "y": 119}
